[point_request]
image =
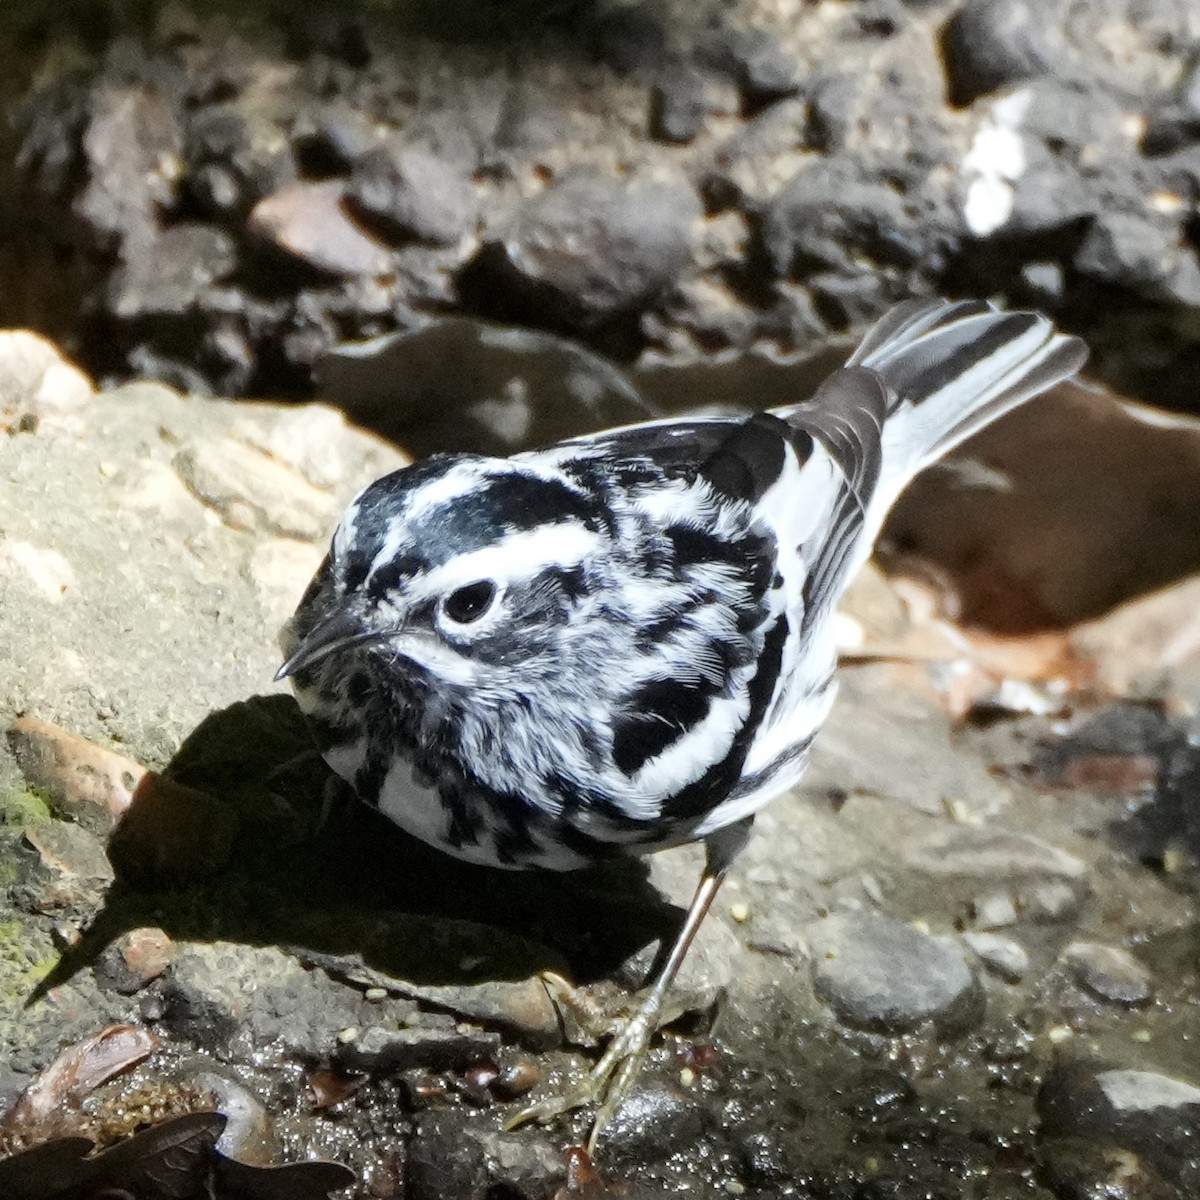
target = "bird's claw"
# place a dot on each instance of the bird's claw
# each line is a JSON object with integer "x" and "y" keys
{"x": 606, "y": 1085}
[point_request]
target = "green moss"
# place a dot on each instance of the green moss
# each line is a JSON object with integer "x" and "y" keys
{"x": 23, "y": 808}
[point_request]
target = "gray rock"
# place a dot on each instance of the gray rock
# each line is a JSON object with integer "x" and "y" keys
{"x": 995, "y": 42}
{"x": 878, "y": 973}
{"x": 435, "y": 1045}
{"x": 678, "y": 104}
{"x": 408, "y": 192}
{"x": 469, "y": 386}
{"x": 1109, "y": 972}
{"x": 1001, "y": 955}
{"x": 1156, "y": 1116}
{"x": 587, "y": 250}
{"x": 654, "y": 1123}
{"x": 170, "y": 274}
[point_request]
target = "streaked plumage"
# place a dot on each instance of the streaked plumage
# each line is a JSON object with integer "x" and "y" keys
{"x": 623, "y": 642}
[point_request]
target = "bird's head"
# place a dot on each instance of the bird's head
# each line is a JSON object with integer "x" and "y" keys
{"x": 459, "y": 571}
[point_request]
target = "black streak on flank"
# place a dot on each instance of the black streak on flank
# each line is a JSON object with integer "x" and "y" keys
{"x": 661, "y": 712}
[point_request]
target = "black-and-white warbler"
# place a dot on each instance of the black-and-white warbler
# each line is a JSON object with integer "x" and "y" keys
{"x": 624, "y": 642}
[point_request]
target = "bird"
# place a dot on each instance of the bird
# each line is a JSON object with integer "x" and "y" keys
{"x": 626, "y": 641}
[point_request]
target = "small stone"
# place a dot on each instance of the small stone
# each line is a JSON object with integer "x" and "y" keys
{"x": 1001, "y": 955}
{"x": 516, "y": 1079}
{"x": 589, "y": 249}
{"x": 652, "y": 1124}
{"x": 879, "y": 973}
{"x": 82, "y": 781}
{"x": 1052, "y": 901}
{"x": 346, "y": 1036}
{"x": 411, "y": 193}
{"x": 1109, "y": 972}
{"x": 308, "y": 222}
{"x": 990, "y": 43}
{"x": 994, "y": 910}
{"x": 739, "y": 912}
{"x": 432, "y": 1047}
{"x": 135, "y": 959}
{"x": 375, "y": 993}
{"x": 679, "y": 104}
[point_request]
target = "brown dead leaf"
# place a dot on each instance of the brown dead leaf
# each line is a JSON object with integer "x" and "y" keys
{"x": 78, "y": 1070}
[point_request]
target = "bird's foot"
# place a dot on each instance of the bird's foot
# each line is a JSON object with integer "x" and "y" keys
{"x": 609, "y": 1082}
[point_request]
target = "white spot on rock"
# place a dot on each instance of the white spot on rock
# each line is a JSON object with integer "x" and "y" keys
{"x": 994, "y": 163}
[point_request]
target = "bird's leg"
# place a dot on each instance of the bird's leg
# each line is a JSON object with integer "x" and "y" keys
{"x": 608, "y": 1083}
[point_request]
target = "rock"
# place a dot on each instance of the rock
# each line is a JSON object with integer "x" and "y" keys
{"x": 1109, "y": 972}
{"x": 679, "y": 103}
{"x": 133, "y": 148}
{"x": 1001, "y": 955}
{"x": 993, "y": 910}
{"x": 470, "y": 386}
{"x": 76, "y": 865}
{"x": 654, "y": 1123}
{"x": 587, "y": 250}
{"x": 410, "y": 193}
{"x": 81, "y": 781}
{"x": 1153, "y": 1115}
{"x": 309, "y": 222}
{"x": 1131, "y": 250}
{"x": 134, "y": 959}
{"x": 438, "y": 1046}
{"x": 994, "y": 852}
{"x": 251, "y": 491}
{"x": 762, "y": 68}
{"x": 987, "y": 45}
{"x": 451, "y": 1156}
{"x": 172, "y": 273}
{"x": 36, "y": 382}
{"x": 44, "y": 571}
{"x": 234, "y": 1000}
{"x": 878, "y": 973}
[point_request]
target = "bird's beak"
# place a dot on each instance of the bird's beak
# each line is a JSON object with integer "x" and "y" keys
{"x": 336, "y": 632}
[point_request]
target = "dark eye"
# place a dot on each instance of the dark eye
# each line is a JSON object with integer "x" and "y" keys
{"x": 469, "y": 603}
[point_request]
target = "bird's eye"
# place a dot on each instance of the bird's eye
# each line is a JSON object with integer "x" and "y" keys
{"x": 469, "y": 603}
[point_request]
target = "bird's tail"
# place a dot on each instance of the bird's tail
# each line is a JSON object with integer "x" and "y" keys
{"x": 949, "y": 370}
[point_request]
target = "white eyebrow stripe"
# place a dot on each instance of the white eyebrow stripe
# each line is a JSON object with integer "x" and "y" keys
{"x": 519, "y": 555}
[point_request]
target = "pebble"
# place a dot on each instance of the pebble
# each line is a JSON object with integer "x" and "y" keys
{"x": 880, "y": 973}
{"x": 993, "y": 910}
{"x": 1109, "y": 972}
{"x": 990, "y": 43}
{"x": 1001, "y": 955}
{"x": 134, "y": 960}
{"x": 308, "y": 222}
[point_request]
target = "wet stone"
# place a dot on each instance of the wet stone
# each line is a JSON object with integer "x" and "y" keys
{"x": 1109, "y": 972}
{"x": 1154, "y": 1116}
{"x": 1002, "y": 956}
{"x": 309, "y": 222}
{"x": 654, "y": 1123}
{"x": 879, "y": 973}
{"x": 433, "y": 1045}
